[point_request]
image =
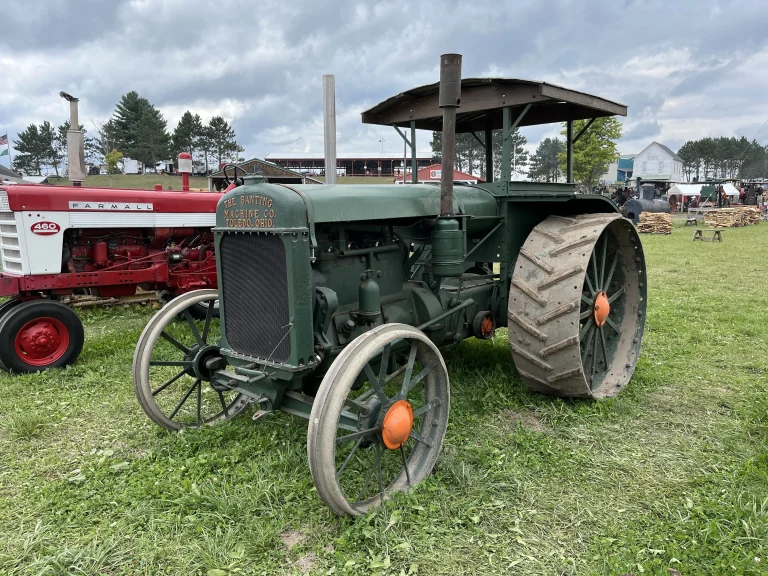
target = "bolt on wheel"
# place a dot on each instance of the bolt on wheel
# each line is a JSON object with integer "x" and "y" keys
{"x": 172, "y": 366}
{"x": 577, "y": 305}
{"x": 379, "y": 418}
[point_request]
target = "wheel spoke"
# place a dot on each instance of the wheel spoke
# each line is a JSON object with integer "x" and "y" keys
{"x": 589, "y": 284}
{"x": 199, "y": 399}
{"x": 375, "y": 383}
{"x": 192, "y": 326}
{"x": 408, "y": 371}
{"x": 349, "y": 457}
{"x": 585, "y": 352}
{"x": 611, "y": 271}
{"x": 423, "y": 374}
{"x": 586, "y": 299}
{"x": 405, "y": 465}
{"x": 183, "y": 363}
{"x": 384, "y": 365}
{"x": 584, "y": 329}
{"x": 426, "y": 408}
{"x": 612, "y": 325}
{"x": 356, "y": 405}
{"x": 602, "y": 344}
{"x": 168, "y": 383}
{"x": 593, "y": 257}
{"x": 586, "y": 314}
{"x": 223, "y": 404}
{"x": 615, "y": 295}
{"x": 355, "y": 435}
{"x": 183, "y": 400}
{"x": 175, "y": 342}
{"x": 602, "y": 263}
{"x": 419, "y": 438}
{"x": 365, "y": 486}
{"x": 594, "y": 360}
{"x": 208, "y": 317}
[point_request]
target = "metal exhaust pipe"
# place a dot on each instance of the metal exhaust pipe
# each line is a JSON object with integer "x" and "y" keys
{"x": 449, "y": 99}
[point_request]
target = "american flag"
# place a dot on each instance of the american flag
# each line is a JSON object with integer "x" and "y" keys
{"x": 4, "y": 140}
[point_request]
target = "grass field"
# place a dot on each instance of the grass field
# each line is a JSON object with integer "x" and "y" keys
{"x": 673, "y": 474}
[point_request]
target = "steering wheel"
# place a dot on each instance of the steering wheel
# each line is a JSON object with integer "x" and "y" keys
{"x": 235, "y": 179}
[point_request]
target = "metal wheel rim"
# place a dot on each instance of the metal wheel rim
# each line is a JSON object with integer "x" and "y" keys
{"x": 560, "y": 269}
{"x": 330, "y": 460}
{"x": 196, "y": 389}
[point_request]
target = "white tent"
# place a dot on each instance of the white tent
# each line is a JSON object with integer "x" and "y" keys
{"x": 686, "y": 190}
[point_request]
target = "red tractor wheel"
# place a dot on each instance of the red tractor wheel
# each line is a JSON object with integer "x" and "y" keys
{"x": 38, "y": 335}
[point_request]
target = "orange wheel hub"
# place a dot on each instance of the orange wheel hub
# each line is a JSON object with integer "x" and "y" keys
{"x": 601, "y": 308}
{"x": 397, "y": 425}
{"x": 486, "y": 327}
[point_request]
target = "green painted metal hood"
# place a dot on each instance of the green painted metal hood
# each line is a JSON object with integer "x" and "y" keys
{"x": 345, "y": 202}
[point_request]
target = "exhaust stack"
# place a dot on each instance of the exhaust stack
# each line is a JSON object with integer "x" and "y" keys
{"x": 75, "y": 144}
{"x": 449, "y": 99}
{"x": 329, "y": 122}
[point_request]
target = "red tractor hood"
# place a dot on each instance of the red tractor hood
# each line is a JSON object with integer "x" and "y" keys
{"x": 70, "y": 198}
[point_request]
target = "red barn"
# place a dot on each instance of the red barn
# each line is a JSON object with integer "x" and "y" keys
{"x": 432, "y": 174}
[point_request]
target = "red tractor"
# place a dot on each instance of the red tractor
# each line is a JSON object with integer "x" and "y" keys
{"x": 57, "y": 241}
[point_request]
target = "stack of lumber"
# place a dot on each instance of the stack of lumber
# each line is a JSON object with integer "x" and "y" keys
{"x": 724, "y": 218}
{"x": 751, "y": 214}
{"x": 654, "y": 223}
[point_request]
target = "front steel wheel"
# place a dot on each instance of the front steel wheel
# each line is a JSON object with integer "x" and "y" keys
{"x": 379, "y": 418}
{"x": 577, "y": 305}
{"x": 171, "y": 370}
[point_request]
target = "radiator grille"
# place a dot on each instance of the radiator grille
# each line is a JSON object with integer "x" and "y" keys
{"x": 9, "y": 244}
{"x": 255, "y": 289}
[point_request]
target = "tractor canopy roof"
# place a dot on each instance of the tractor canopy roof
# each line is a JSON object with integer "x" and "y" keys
{"x": 482, "y": 102}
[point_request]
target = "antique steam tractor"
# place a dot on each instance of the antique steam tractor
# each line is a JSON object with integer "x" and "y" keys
{"x": 334, "y": 300}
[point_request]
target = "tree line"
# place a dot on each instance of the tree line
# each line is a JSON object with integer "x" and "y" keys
{"x": 714, "y": 158}
{"x": 136, "y": 130}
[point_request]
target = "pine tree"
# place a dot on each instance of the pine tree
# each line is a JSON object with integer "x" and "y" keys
{"x": 34, "y": 148}
{"x": 187, "y": 134}
{"x": 140, "y": 129}
{"x": 222, "y": 139}
{"x": 545, "y": 163}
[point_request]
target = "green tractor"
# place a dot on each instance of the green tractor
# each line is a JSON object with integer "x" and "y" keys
{"x": 333, "y": 301}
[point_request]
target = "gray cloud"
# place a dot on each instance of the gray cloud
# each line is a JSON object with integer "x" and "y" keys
{"x": 643, "y": 131}
{"x": 260, "y": 64}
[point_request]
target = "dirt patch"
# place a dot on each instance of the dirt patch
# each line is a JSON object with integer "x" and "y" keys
{"x": 527, "y": 420}
{"x": 306, "y": 562}
{"x": 292, "y": 538}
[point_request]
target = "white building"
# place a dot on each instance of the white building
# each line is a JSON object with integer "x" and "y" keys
{"x": 657, "y": 162}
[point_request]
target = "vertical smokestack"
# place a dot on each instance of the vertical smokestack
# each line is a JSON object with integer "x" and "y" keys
{"x": 329, "y": 122}
{"x": 449, "y": 100}
{"x": 75, "y": 144}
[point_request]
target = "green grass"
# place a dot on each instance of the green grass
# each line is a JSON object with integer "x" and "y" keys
{"x": 671, "y": 474}
{"x": 136, "y": 181}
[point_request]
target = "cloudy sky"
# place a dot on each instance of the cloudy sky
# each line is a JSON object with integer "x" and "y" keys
{"x": 686, "y": 68}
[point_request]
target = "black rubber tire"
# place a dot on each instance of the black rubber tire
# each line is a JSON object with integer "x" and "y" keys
{"x": 19, "y": 315}
{"x": 6, "y": 307}
{"x": 545, "y": 321}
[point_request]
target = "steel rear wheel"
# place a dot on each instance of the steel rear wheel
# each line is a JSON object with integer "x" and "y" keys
{"x": 170, "y": 375}
{"x": 379, "y": 418}
{"x": 577, "y": 305}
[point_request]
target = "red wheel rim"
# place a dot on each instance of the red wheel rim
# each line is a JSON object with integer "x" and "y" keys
{"x": 42, "y": 341}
